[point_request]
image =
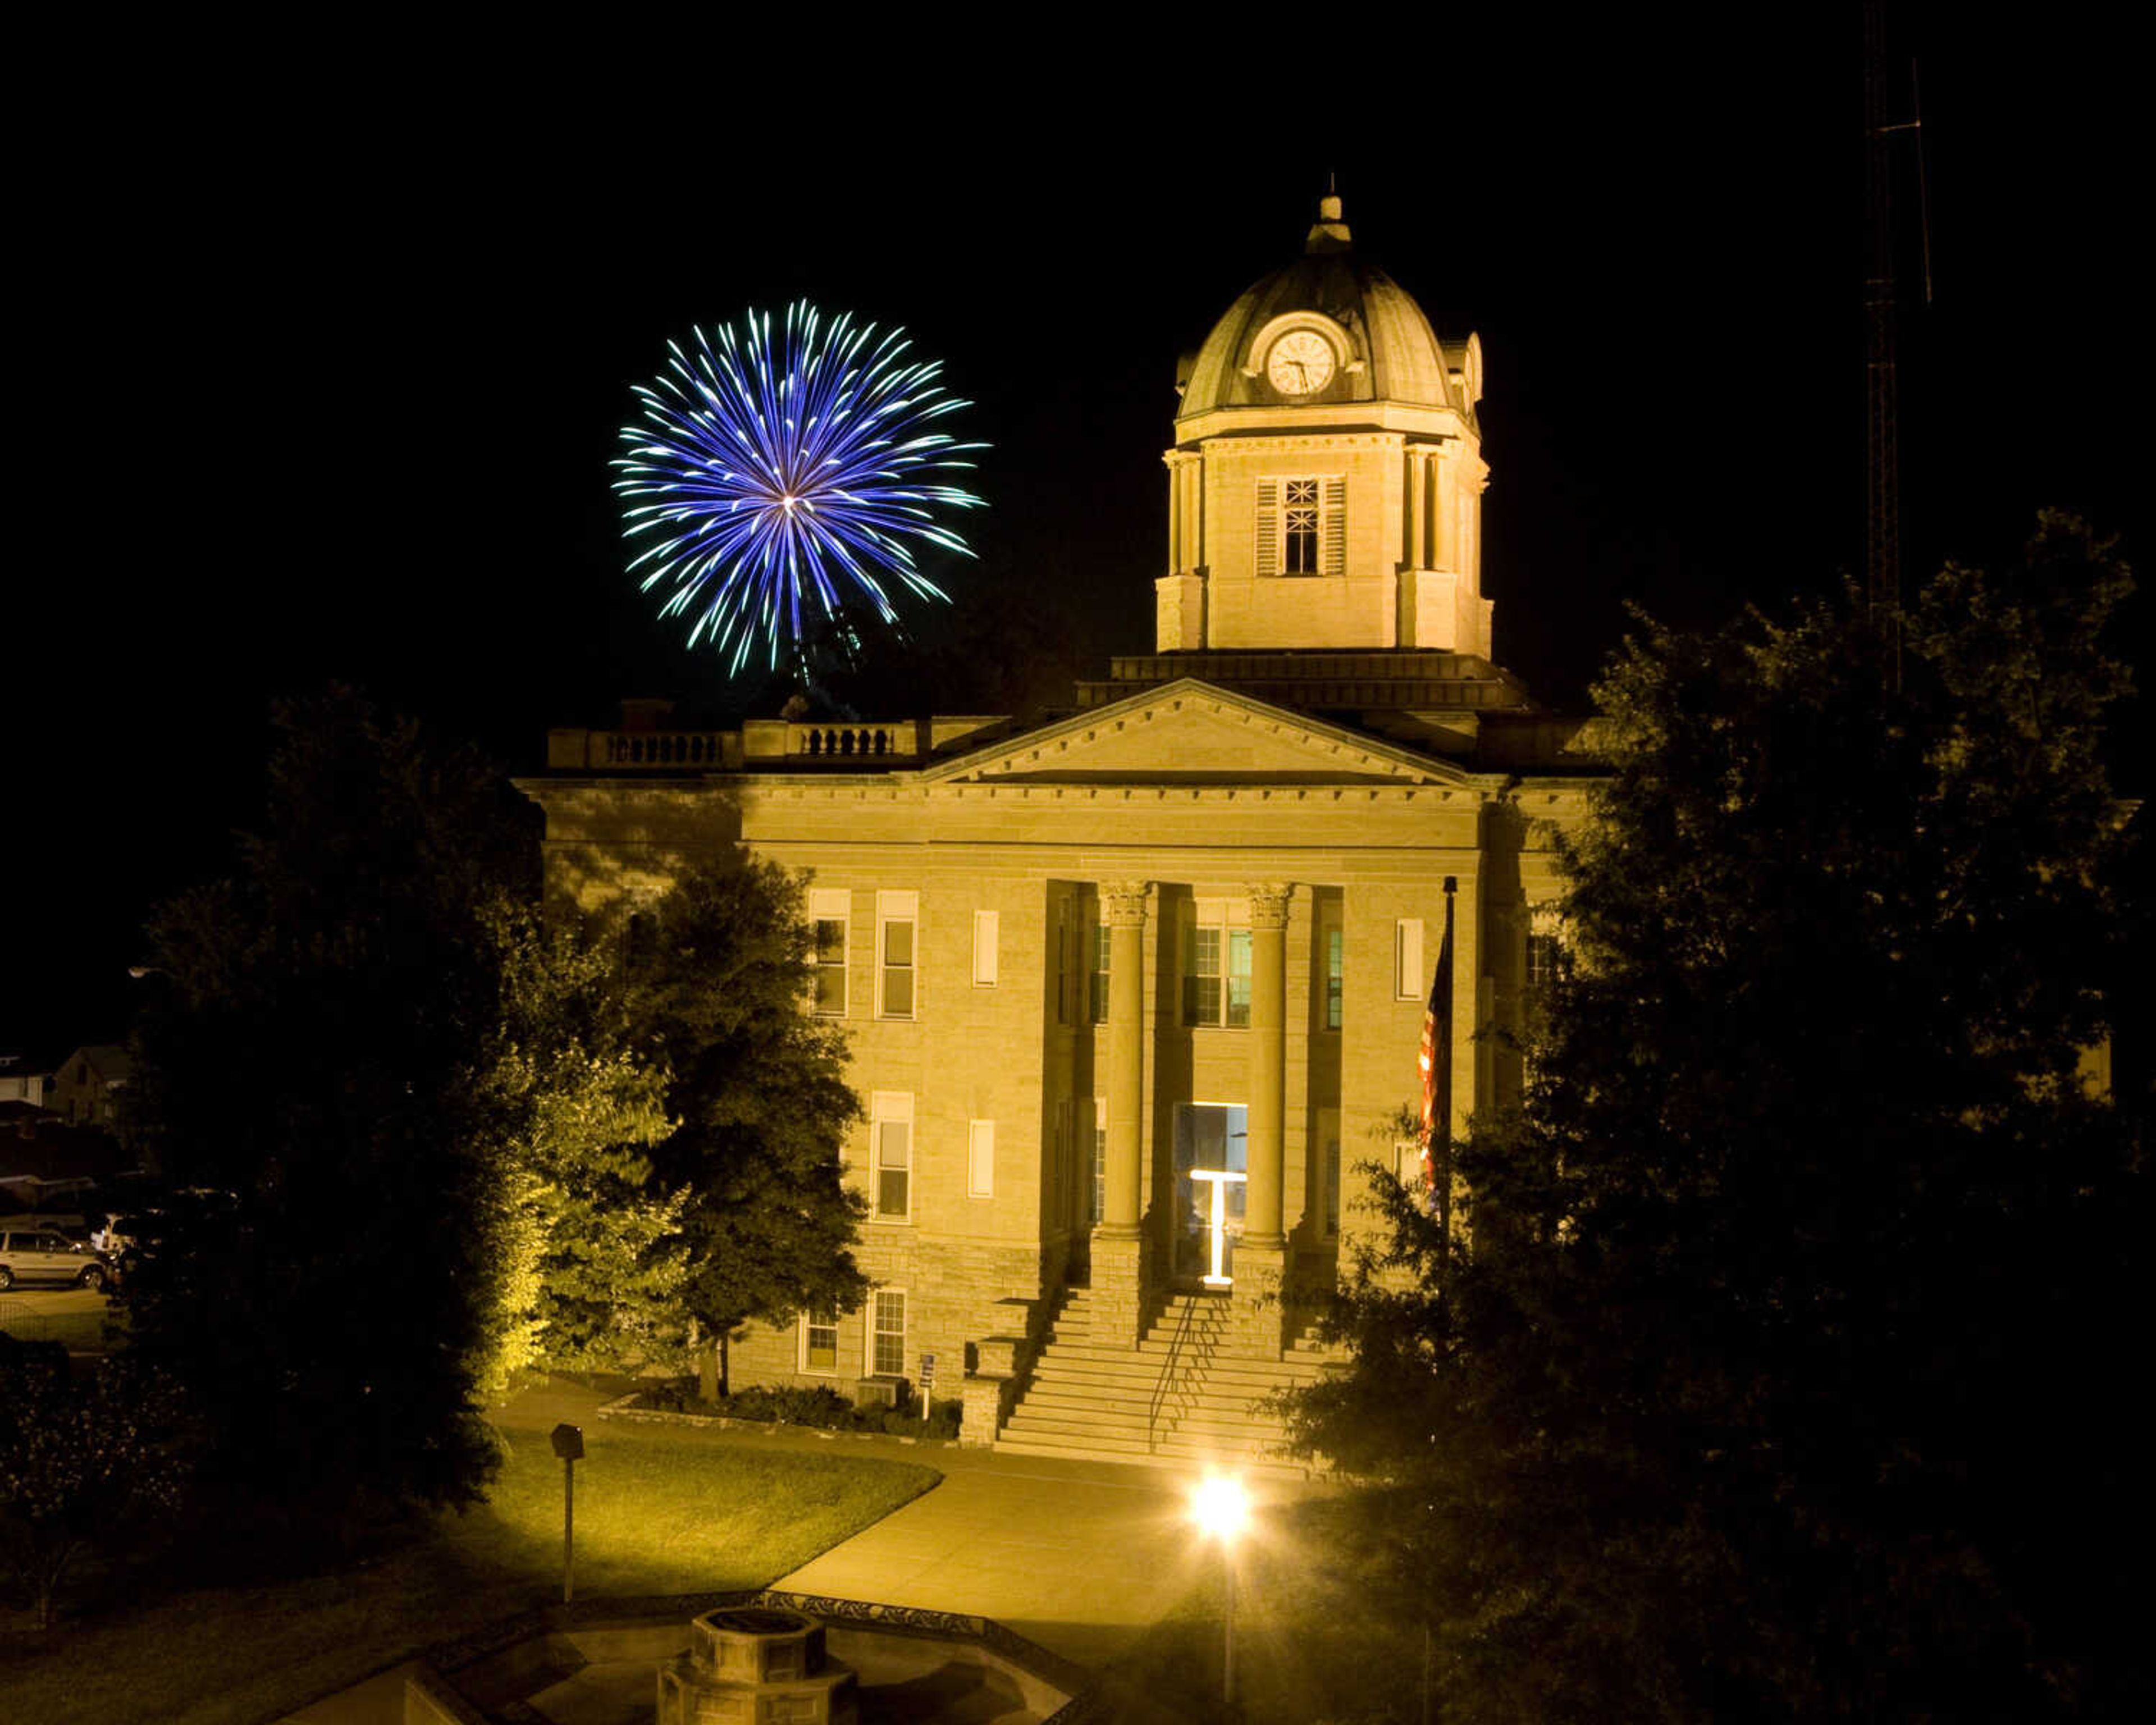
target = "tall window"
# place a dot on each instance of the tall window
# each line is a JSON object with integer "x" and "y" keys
{"x": 891, "y": 1155}
{"x": 981, "y": 1159}
{"x": 1302, "y": 525}
{"x": 1059, "y": 957}
{"x": 1335, "y": 975}
{"x": 1410, "y": 981}
{"x": 1545, "y": 947}
{"x": 887, "y": 1333}
{"x": 985, "y": 927}
{"x": 1100, "y": 1157}
{"x": 1216, "y": 967}
{"x": 830, "y": 910}
{"x": 896, "y": 914}
{"x": 1097, "y": 984}
{"x": 820, "y": 1341}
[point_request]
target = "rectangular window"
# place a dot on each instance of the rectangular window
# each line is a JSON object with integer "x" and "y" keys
{"x": 1335, "y": 975}
{"x": 896, "y": 914}
{"x": 981, "y": 1159}
{"x": 1058, "y": 955}
{"x": 820, "y": 1341}
{"x": 1325, "y": 1178}
{"x": 1216, "y": 967}
{"x": 1100, "y": 1157}
{"x": 985, "y": 924}
{"x": 829, "y": 911}
{"x": 1302, "y": 525}
{"x": 1545, "y": 947}
{"x": 891, "y": 1155}
{"x": 887, "y": 1333}
{"x": 1409, "y": 980}
{"x": 1097, "y": 987}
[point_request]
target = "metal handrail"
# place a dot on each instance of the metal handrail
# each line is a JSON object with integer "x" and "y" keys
{"x": 1167, "y": 1370}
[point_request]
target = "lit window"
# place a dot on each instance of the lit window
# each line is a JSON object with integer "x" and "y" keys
{"x": 1302, "y": 525}
{"x": 981, "y": 1159}
{"x": 1216, "y": 967}
{"x": 820, "y": 1341}
{"x": 1335, "y": 975}
{"x": 896, "y": 912}
{"x": 1409, "y": 982}
{"x": 985, "y": 931}
{"x": 1545, "y": 954}
{"x": 891, "y": 1155}
{"x": 829, "y": 911}
{"x": 887, "y": 1334}
{"x": 1097, "y": 993}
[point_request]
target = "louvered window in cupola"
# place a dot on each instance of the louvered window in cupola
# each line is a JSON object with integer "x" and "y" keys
{"x": 1302, "y": 525}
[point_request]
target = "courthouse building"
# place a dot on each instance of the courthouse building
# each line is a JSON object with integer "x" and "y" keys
{"x": 1177, "y": 941}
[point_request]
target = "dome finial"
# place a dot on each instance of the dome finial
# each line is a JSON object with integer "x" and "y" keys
{"x": 1329, "y": 233}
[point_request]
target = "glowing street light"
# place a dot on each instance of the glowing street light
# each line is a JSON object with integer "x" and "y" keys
{"x": 1221, "y": 1508}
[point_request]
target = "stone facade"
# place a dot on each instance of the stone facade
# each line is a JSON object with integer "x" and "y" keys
{"x": 1202, "y": 910}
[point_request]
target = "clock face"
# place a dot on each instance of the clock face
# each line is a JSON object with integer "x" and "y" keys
{"x": 1301, "y": 364}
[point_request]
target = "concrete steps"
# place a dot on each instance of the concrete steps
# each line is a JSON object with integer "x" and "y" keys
{"x": 1181, "y": 1397}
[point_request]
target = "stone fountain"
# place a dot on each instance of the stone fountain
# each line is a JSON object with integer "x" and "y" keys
{"x": 756, "y": 1664}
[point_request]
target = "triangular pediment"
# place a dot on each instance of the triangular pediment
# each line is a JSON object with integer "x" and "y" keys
{"x": 1194, "y": 734}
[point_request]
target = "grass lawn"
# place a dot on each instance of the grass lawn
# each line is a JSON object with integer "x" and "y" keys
{"x": 655, "y": 1514}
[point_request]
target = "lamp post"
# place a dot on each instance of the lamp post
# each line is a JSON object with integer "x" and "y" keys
{"x": 1221, "y": 1508}
{"x": 568, "y": 1441}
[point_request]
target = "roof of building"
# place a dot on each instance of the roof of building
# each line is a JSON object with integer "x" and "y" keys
{"x": 1399, "y": 357}
{"x": 109, "y": 1061}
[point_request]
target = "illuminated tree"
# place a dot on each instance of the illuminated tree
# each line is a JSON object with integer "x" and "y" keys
{"x": 1780, "y": 1377}
{"x": 720, "y": 982}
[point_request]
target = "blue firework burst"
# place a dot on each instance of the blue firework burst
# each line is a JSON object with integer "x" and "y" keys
{"x": 780, "y": 473}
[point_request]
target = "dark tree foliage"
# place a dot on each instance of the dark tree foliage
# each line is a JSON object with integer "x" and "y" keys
{"x": 1790, "y": 1366}
{"x": 89, "y": 1457}
{"x": 326, "y": 1281}
{"x": 719, "y": 978}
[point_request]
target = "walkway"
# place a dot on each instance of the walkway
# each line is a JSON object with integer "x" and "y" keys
{"x": 1082, "y": 1557}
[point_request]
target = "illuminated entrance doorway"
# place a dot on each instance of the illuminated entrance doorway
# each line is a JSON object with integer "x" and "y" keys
{"x": 1212, "y": 1164}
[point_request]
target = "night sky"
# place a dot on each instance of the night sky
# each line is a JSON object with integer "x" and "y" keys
{"x": 320, "y": 373}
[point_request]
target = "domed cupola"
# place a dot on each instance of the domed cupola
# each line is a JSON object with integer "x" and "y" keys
{"x": 1328, "y": 331}
{"x": 1325, "y": 488}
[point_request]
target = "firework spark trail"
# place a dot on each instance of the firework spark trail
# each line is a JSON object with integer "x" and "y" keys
{"x": 779, "y": 471}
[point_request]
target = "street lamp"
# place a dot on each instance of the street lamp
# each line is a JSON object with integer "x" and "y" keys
{"x": 1221, "y": 1508}
{"x": 568, "y": 1441}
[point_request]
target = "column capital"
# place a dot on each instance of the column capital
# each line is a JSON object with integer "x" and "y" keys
{"x": 1125, "y": 902}
{"x": 1269, "y": 902}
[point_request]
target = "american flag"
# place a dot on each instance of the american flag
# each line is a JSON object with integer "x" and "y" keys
{"x": 1435, "y": 1058}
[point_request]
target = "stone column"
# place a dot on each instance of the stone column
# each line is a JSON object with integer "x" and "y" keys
{"x": 1118, "y": 1243}
{"x": 1255, "y": 1316}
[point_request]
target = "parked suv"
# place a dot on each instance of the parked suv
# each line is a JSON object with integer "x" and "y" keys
{"x": 37, "y": 1254}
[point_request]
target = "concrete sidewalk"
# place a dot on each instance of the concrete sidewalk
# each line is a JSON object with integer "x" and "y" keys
{"x": 1081, "y": 1557}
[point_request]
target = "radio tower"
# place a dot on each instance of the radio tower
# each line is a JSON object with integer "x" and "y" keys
{"x": 1882, "y": 545}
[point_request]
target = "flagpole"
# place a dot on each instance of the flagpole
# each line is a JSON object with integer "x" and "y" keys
{"x": 1434, "y": 1059}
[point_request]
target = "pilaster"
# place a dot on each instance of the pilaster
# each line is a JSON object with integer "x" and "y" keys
{"x": 1267, "y": 1101}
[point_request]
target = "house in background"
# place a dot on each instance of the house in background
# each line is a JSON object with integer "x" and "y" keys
{"x": 90, "y": 1088}
{"x": 1133, "y": 995}
{"x": 21, "y": 1080}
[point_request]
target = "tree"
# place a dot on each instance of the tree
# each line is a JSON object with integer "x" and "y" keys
{"x": 378, "y": 1090}
{"x": 81, "y": 1462}
{"x": 1777, "y": 1375}
{"x": 720, "y": 980}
